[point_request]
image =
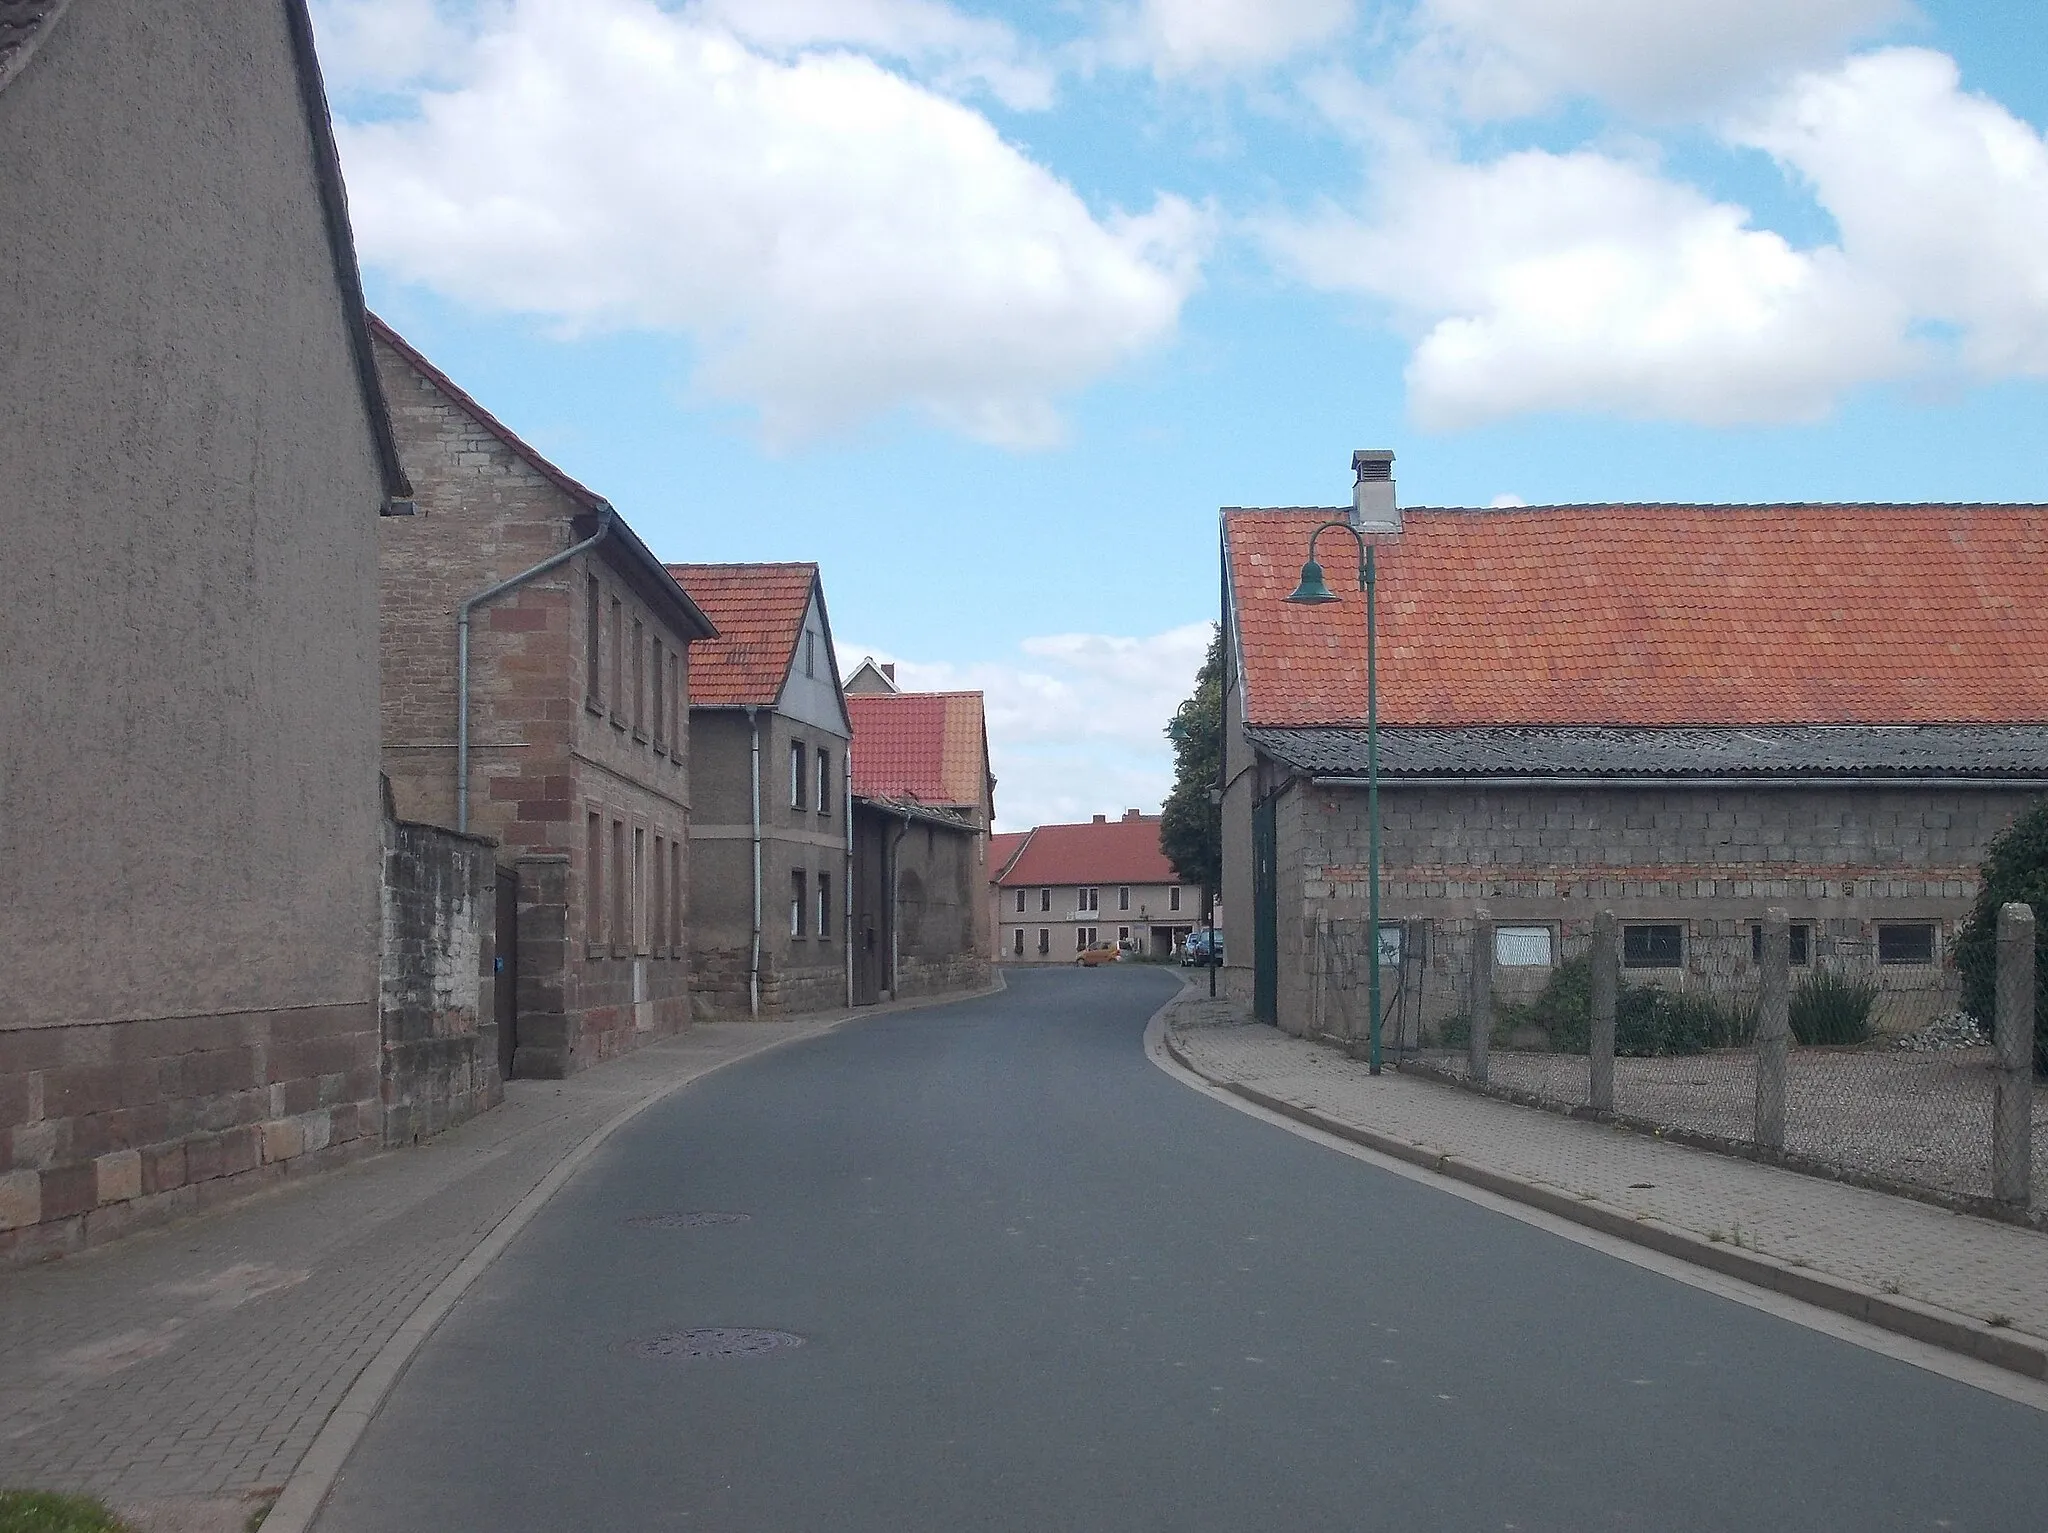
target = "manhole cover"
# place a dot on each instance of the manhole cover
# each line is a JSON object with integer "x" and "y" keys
{"x": 684, "y": 1221}
{"x": 713, "y": 1341}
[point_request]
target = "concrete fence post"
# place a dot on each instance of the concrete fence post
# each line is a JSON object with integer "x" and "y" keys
{"x": 1606, "y": 988}
{"x": 1773, "y": 1029}
{"x": 2012, "y": 1125}
{"x": 1480, "y": 999}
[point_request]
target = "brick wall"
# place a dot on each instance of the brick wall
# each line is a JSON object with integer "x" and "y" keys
{"x": 440, "y": 1037}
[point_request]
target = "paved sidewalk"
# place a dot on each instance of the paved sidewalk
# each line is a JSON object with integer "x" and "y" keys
{"x": 182, "y": 1373}
{"x": 1973, "y": 1285}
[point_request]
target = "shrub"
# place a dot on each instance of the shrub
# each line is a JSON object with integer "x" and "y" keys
{"x": 1832, "y": 1008}
{"x": 39, "y": 1511}
{"x": 2015, "y": 868}
{"x": 1563, "y": 1008}
{"x": 1647, "y": 1020}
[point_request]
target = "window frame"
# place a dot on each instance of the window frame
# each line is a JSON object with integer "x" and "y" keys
{"x": 823, "y": 900}
{"x": 799, "y": 759}
{"x": 1801, "y": 943}
{"x": 593, "y": 661}
{"x": 1930, "y": 929}
{"x": 799, "y": 903}
{"x": 1652, "y": 926}
{"x": 824, "y": 780}
{"x": 1523, "y": 928}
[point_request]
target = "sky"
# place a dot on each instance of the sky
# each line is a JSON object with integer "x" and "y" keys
{"x": 988, "y": 308}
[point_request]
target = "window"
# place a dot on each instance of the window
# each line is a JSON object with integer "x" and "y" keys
{"x": 1123, "y": 899}
{"x": 1123, "y": 934}
{"x": 1653, "y": 947}
{"x": 1091, "y": 899}
{"x": 660, "y": 700}
{"x": 618, "y": 931}
{"x": 825, "y": 907}
{"x": 1391, "y": 933}
{"x": 676, "y": 662}
{"x": 824, "y": 782}
{"x": 1084, "y": 936}
{"x": 1018, "y": 949}
{"x": 796, "y": 776}
{"x": 1044, "y": 900}
{"x": 1020, "y": 902}
{"x": 657, "y": 908}
{"x": 639, "y": 679}
{"x": 1521, "y": 947}
{"x": 810, "y": 653}
{"x": 1173, "y": 898}
{"x": 675, "y": 897}
{"x": 1044, "y": 942}
{"x": 636, "y": 934}
{"x": 593, "y": 658}
{"x": 796, "y": 904}
{"x": 1906, "y": 944}
{"x": 1802, "y": 943}
{"x": 618, "y": 661}
{"x": 593, "y": 873}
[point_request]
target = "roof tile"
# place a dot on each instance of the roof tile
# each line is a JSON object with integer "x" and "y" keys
{"x": 930, "y": 746}
{"x": 1122, "y": 851}
{"x": 758, "y": 610}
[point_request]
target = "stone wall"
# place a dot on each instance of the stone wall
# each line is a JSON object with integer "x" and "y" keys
{"x": 440, "y": 1034}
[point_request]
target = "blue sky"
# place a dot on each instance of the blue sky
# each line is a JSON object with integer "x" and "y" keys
{"x": 988, "y": 308}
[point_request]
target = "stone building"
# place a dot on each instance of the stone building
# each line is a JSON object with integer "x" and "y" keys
{"x": 771, "y": 838}
{"x": 924, "y": 799}
{"x": 1682, "y": 713}
{"x": 196, "y": 463}
{"x": 1067, "y": 887}
{"x": 567, "y": 740}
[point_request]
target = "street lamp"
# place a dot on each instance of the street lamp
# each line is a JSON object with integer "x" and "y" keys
{"x": 1373, "y": 511}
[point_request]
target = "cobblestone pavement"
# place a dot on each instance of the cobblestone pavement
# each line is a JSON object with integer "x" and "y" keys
{"x": 181, "y": 1374}
{"x": 1991, "y": 1272}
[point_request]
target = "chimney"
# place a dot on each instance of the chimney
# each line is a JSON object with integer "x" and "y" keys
{"x": 888, "y": 670}
{"x": 1373, "y": 507}
{"x": 1132, "y": 814}
{"x": 1102, "y": 819}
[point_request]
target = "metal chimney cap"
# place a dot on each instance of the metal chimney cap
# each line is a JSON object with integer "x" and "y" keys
{"x": 1373, "y": 463}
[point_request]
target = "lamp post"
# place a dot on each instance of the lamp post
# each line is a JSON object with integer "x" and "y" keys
{"x": 1372, "y": 499}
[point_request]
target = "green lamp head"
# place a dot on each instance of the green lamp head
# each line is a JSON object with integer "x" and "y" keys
{"x": 1312, "y": 592}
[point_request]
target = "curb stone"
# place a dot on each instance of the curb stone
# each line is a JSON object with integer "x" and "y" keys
{"x": 1902, "y": 1316}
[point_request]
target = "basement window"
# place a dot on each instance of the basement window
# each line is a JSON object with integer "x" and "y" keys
{"x": 1658, "y": 946}
{"x": 1906, "y": 945}
{"x": 1521, "y": 947}
{"x": 1802, "y": 944}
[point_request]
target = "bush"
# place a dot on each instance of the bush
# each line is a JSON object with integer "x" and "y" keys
{"x": 1647, "y": 1020}
{"x": 38, "y": 1511}
{"x": 2015, "y": 868}
{"x": 1832, "y": 1008}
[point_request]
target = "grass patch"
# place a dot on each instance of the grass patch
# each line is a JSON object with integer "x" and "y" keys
{"x": 1832, "y": 1008}
{"x": 41, "y": 1511}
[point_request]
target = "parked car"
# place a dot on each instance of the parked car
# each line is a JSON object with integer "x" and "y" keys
{"x": 1204, "y": 946}
{"x": 1102, "y": 952}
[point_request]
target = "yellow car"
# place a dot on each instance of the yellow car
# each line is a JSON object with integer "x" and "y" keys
{"x": 1102, "y": 952}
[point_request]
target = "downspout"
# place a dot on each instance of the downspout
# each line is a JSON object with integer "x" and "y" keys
{"x": 754, "y": 959}
{"x": 604, "y": 526}
{"x": 846, "y": 885}
{"x": 896, "y": 903}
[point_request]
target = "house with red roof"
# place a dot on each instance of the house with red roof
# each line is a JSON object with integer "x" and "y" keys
{"x": 1682, "y": 713}
{"x": 923, "y": 805}
{"x": 535, "y": 659}
{"x": 1063, "y": 888}
{"x": 771, "y": 835}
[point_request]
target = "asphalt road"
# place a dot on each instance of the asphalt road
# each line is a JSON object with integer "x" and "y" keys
{"x": 1043, "y": 1286}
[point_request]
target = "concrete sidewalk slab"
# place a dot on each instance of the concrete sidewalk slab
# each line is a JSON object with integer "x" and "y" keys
{"x": 1974, "y": 1286}
{"x": 184, "y": 1373}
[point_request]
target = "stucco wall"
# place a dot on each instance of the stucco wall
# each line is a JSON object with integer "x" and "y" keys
{"x": 188, "y": 597}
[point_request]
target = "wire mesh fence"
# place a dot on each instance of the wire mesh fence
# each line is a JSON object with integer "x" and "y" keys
{"x": 1882, "y": 1076}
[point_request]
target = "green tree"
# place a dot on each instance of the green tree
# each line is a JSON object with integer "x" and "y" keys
{"x": 2015, "y": 868}
{"x": 1190, "y": 826}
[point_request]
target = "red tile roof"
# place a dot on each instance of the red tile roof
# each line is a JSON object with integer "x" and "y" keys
{"x": 758, "y": 610}
{"x": 1122, "y": 851}
{"x": 1653, "y": 615}
{"x": 930, "y": 746}
{"x": 1002, "y": 846}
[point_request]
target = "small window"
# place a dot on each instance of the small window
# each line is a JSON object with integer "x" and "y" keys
{"x": 1391, "y": 933}
{"x": 1044, "y": 942}
{"x": 1044, "y": 900}
{"x": 593, "y": 876}
{"x": 1802, "y": 943}
{"x": 593, "y": 658}
{"x": 824, "y": 782}
{"x": 1909, "y": 945}
{"x": 1020, "y": 902}
{"x": 796, "y": 776}
{"x": 796, "y": 904}
{"x": 636, "y": 934}
{"x": 1091, "y": 899}
{"x": 639, "y": 678}
{"x": 675, "y": 899}
{"x": 618, "y": 661}
{"x": 825, "y": 907}
{"x": 619, "y": 927}
{"x": 660, "y": 698}
{"x": 1123, "y": 934}
{"x": 657, "y": 906}
{"x": 1123, "y": 899}
{"x": 675, "y": 704}
{"x": 1661, "y": 946}
{"x": 1018, "y": 949}
{"x": 810, "y": 653}
{"x": 1521, "y": 947}
{"x": 1173, "y": 898}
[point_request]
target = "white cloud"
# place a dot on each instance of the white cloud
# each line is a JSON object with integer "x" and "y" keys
{"x": 1578, "y": 282}
{"x": 1662, "y": 58}
{"x": 1940, "y": 195}
{"x": 1506, "y": 502}
{"x": 838, "y": 241}
{"x": 1076, "y": 721}
{"x": 1183, "y": 37}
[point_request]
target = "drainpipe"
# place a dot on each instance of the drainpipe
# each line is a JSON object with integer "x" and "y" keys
{"x": 754, "y": 961}
{"x": 846, "y": 885}
{"x": 492, "y": 593}
{"x": 896, "y": 903}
